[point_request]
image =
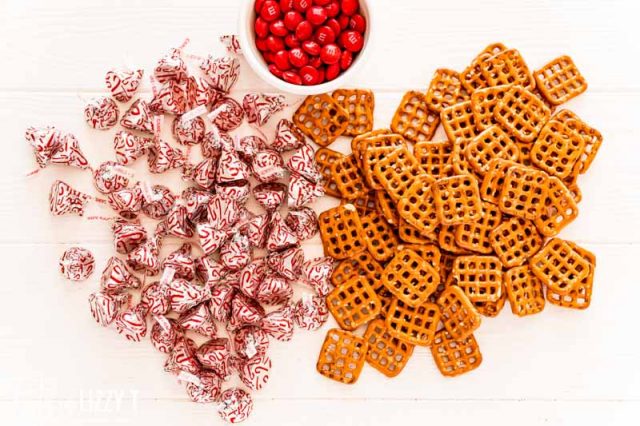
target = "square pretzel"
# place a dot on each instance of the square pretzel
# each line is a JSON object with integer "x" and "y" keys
{"x": 418, "y": 206}
{"x": 359, "y": 105}
{"x": 523, "y": 192}
{"x": 387, "y": 207}
{"x": 459, "y": 162}
{"x": 415, "y": 325}
{"x": 580, "y": 296}
{"x": 507, "y": 67}
{"x": 480, "y": 277}
{"x": 457, "y": 199}
{"x": 592, "y": 137}
{"x": 491, "y": 143}
{"x": 475, "y": 236}
{"x": 458, "y": 315}
{"x": 433, "y": 156}
{"x": 386, "y": 353}
{"x": 373, "y": 150}
{"x": 525, "y": 292}
{"x": 525, "y": 153}
{"x": 492, "y": 309}
{"x": 455, "y": 356}
{"x": 397, "y": 172}
{"x": 356, "y": 141}
{"x": 353, "y": 303}
{"x": 483, "y": 102}
{"x": 346, "y": 175}
{"x": 560, "y": 80}
{"x": 321, "y": 118}
{"x": 364, "y": 205}
{"x": 410, "y": 278}
{"x": 472, "y": 78}
{"x": 429, "y": 252}
{"x": 412, "y": 235}
{"x": 342, "y": 356}
{"x": 362, "y": 264}
{"x": 341, "y": 232}
{"x": 559, "y": 210}
{"x": 379, "y": 235}
{"x": 325, "y": 157}
{"x": 445, "y": 90}
{"x": 458, "y": 122}
{"x": 413, "y": 119}
{"x": 559, "y": 266}
{"x": 515, "y": 241}
{"x": 447, "y": 240}
{"x": 557, "y": 149}
{"x": 521, "y": 113}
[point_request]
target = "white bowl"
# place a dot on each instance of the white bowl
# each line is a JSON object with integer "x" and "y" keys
{"x": 256, "y": 61}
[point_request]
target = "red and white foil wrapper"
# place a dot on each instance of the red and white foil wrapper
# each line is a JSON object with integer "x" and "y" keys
{"x": 123, "y": 83}
{"x": 251, "y": 276}
{"x": 202, "y": 174}
{"x": 205, "y": 390}
{"x": 171, "y": 67}
{"x": 105, "y": 306}
{"x": 156, "y": 297}
{"x": 198, "y": 319}
{"x": 302, "y": 162}
{"x": 129, "y": 147}
{"x": 196, "y": 201}
{"x": 214, "y": 355}
{"x": 235, "y": 405}
{"x": 170, "y": 99}
{"x": 109, "y": 178}
{"x": 101, "y": 113}
{"x": 163, "y": 157}
{"x": 244, "y": 311}
{"x": 181, "y": 262}
{"x": 210, "y": 237}
{"x": 287, "y": 263}
{"x": 222, "y": 72}
{"x": 189, "y": 132}
{"x": 267, "y": 166}
{"x": 222, "y": 212}
{"x": 256, "y": 229}
{"x": 77, "y": 264}
{"x": 301, "y": 191}
{"x": 158, "y": 202}
{"x": 230, "y": 167}
{"x": 279, "y": 323}
{"x": 235, "y": 253}
{"x": 116, "y": 277}
{"x": 182, "y": 358}
{"x": 254, "y": 372}
{"x": 311, "y": 312}
{"x": 200, "y": 92}
{"x": 270, "y": 195}
{"x": 231, "y": 43}
{"x": 280, "y": 235}
{"x": 288, "y": 136}
{"x": 127, "y": 235}
{"x": 68, "y": 152}
{"x": 220, "y": 304}
{"x": 303, "y": 222}
{"x": 164, "y": 334}
{"x": 274, "y": 289}
{"x": 226, "y": 114}
{"x": 248, "y": 146}
{"x": 250, "y": 341}
{"x": 213, "y": 143}
{"x": 208, "y": 270}
{"x": 127, "y": 202}
{"x": 184, "y": 295}
{"x": 44, "y": 141}
{"x": 260, "y": 107}
{"x": 63, "y": 199}
{"x": 138, "y": 117}
{"x": 316, "y": 273}
{"x": 132, "y": 323}
{"x": 145, "y": 257}
{"x": 176, "y": 222}
{"x": 238, "y": 190}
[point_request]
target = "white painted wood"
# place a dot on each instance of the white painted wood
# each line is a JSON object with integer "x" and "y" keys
{"x": 560, "y": 367}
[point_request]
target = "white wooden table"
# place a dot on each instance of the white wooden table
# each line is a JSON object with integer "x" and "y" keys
{"x": 57, "y": 367}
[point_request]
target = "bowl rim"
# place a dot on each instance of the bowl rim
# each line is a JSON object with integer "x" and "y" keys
{"x": 245, "y": 28}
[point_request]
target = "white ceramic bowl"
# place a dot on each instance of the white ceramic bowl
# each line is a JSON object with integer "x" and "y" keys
{"x": 254, "y": 57}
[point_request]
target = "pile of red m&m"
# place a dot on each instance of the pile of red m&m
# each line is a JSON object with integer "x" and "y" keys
{"x": 308, "y": 42}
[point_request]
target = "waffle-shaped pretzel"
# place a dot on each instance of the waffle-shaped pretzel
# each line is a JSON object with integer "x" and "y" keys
{"x": 428, "y": 252}
{"x": 446, "y": 265}
{"x": 525, "y": 292}
{"x": 458, "y": 122}
{"x": 445, "y": 90}
{"x": 433, "y": 156}
{"x": 397, "y": 172}
{"x": 325, "y": 157}
{"x": 480, "y": 277}
{"x": 359, "y": 105}
{"x": 507, "y": 67}
{"x": 459, "y": 162}
{"x": 418, "y": 205}
{"x": 455, "y": 356}
{"x": 363, "y": 205}
{"x": 557, "y": 149}
{"x": 592, "y": 137}
{"x": 341, "y": 232}
{"x": 346, "y": 175}
{"x": 377, "y": 141}
{"x": 491, "y": 143}
{"x": 521, "y": 114}
{"x": 559, "y": 266}
{"x": 353, "y": 303}
{"x": 483, "y": 102}
{"x": 413, "y": 119}
{"x": 342, "y": 356}
{"x": 416, "y": 325}
{"x": 457, "y": 199}
{"x": 386, "y": 353}
{"x": 472, "y": 78}
{"x": 412, "y": 235}
{"x": 362, "y": 264}
{"x": 410, "y": 278}
{"x": 515, "y": 241}
{"x": 525, "y": 153}
{"x": 523, "y": 192}
{"x": 475, "y": 236}
{"x": 321, "y": 118}
{"x": 373, "y": 150}
{"x": 356, "y": 141}
{"x": 580, "y": 296}
{"x": 492, "y": 309}
{"x": 387, "y": 207}
{"x": 447, "y": 240}
{"x": 458, "y": 315}
{"x": 560, "y": 80}
{"x": 560, "y": 209}
{"x": 379, "y": 235}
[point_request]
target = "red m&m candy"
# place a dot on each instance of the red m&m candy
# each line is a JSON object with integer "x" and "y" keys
{"x": 270, "y": 11}
{"x": 281, "y": 60}
{"x": 301, "y": 5}
{"x": 311, "y": 47}
{"x": 332, "y": 9}
{"x": 349, "y": 7}
{"x": 274, "y": 43}
{"x": 358, "y": 23}
{"x": 304, "y": 30}
{"x": 292, "y": 19}
{"x": 309, "y": 75}
{"x": 291, "y": 77}
{"x": 352, "y": 40}
{"x": 298, "y": 57}
{"x": 325, "y": 35}
{"x": 277, "y": 28}
{"x": 330, "y": 54}
{"x": 286, "y": 5}
{"x": 316, "y": 15}
{"x": 332, "y": 72}
{"x": 261, "y": 27}
{"x": 291, "y": 41}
